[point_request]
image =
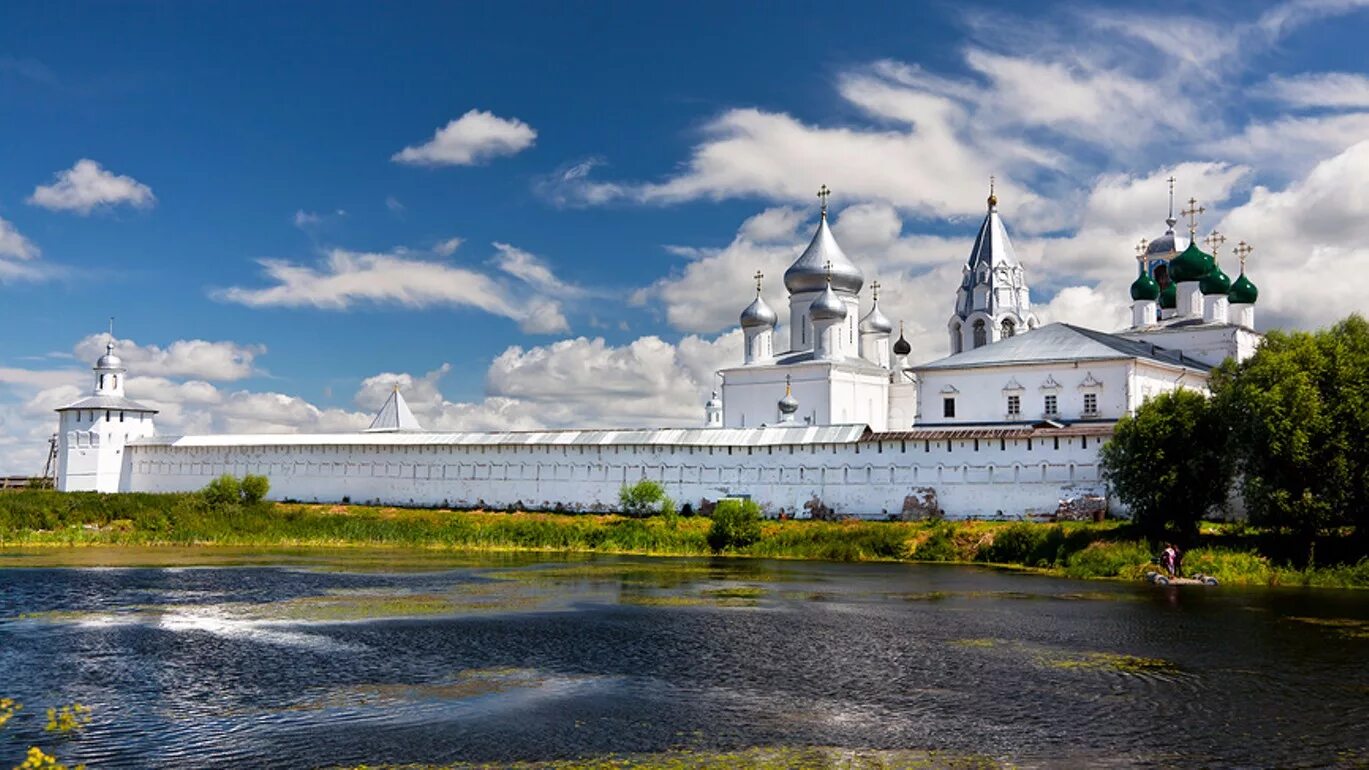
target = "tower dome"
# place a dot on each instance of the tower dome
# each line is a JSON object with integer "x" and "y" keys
{"x": 875, "y": 322}
{"x": 1169, "y": 297}
{"x": 827, "y": 307}
{"x": 901, "y": 347}
{"x": 809, "y": 272}
{"x": 109, "y": 360}
{"x": 758, "y": 314}
{"x": 788, "y": 405}
{"x": 1243, "y": 291}
{"x": 1215, "y": 282}
{"x": 1145, "y": 287}
{"x": 1191, "y": 265}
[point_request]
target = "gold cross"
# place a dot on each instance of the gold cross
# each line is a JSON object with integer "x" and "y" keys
{"x": 827, "y": 266}
{"x": 1214, "y": 241}
{"x": 1242, "y": 251}
{"x": 1192, "y": 213}
{"x": 824, "y": 193}
{"x": 874, "y": 289}
{"x": 993, "y": 199}
{"x": 1141, "y": 250}
{"x": 758, "y": 276}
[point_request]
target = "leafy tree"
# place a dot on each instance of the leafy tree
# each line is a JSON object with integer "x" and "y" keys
{"x": 222, "y": 492}
{"x": 736, "y": 524}
{"x": 1169, "y": 463}
{"x": 255, "y": 488}
{"x": 1299, "y": 410}
{"x": 645, "y": 498}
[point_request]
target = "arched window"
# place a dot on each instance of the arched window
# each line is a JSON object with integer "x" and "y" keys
{"x": 957, "y": 339}
{"x": 981, "y": 334}
{"x": 102, "y": 382}
{"x": 1009, "y": 328}
{"x": 116, "y": 381}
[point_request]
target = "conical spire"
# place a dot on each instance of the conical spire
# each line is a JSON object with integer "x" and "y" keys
{"x": 394, "y": 416}
{"x": 809, "y": 272}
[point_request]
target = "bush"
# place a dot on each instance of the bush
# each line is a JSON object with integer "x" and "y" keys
{"x": 222, "y": 492}
{"x": 645, "y": 498}
{"x": 1021, "y": 543}
{"x": 736, "y": 524}
{"x": 255, "y": 488}
{"x": 1100, "y": 559}
{"x": 939, "y": 545}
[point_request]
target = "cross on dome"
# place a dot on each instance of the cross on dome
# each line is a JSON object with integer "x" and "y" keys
{"x": 827, "y": 267}
{"x": 1242, "y": 251}
{"x": 874, "y": 290}
{"x": 993, "y": 199}
{"x": 824, "y": 193}
{"x": 1141, "y": 250}
{"x": 1214, "y": 242}
{"x": 758, "y": 276}
{"x": 1192, "y": 213}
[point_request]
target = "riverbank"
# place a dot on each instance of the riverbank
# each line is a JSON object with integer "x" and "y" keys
{"x": 1076, "y": 549}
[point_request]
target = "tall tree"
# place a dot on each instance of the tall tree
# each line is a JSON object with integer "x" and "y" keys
{"x": 1299, "y": 412}
{"x": 1169, "y": 463}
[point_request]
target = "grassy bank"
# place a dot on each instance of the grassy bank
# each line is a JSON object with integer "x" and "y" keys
{"x": 1078, "y": 550}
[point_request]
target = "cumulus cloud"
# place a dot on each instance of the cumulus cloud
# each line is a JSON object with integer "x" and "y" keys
{"x": 17, "y": 254}
{"x": 447, "y": 247}
{"x": 201, "y": 359}
{"x": 345, "y": 279}
{"x": 1321, "y": 89}
{"x": 472, "y": 138}
{"x": 87, "y": 186}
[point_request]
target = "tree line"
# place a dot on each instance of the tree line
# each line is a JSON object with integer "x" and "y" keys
{"x": 1288, "y": 428}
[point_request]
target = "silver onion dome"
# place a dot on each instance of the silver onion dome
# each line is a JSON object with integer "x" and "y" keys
{"x": 874, "y": 322}
{"x": 809, "y": 272}
{"x": 758, "y": 314}
{"x": 788, "y": 404}
{"x": 827, "y": 307}
{"x": 1167, "y": 245}
{"x": 109, "y": 360}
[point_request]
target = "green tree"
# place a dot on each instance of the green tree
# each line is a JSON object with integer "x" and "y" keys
{"x": 255, "y": 488}
{"x": 1299, "y": 411}
{"x": 736, "y": 524}
{"x": 223, "y": 492}
{"x": 645, "y": 498}
{"x": 1169, "y": 463}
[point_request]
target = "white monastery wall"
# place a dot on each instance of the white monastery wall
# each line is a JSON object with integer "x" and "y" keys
{"x": 981, "y": 394}
{"x": 874, "y": 478}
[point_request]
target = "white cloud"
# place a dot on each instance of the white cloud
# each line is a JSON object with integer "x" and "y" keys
{"x": 1291, "y": 143}
{"x": 348, "y": 278}
{"x": 87, "y": 186}
{"x": 394, "y": 205}
{"x": 472, "y": 138}
{"x": 1321, "y": 89}
{"x": 448, "y": 247}
{"x": 200, "y": 359}
{"x": 17, "y": 254}
{"x": 304, "y": 219}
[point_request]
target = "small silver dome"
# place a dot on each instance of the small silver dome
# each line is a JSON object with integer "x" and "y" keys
{"x": 788, "y": 404}
{"x": 827, "y": 307}
{"x": 874, "y": 322}
{"x": 809, "y": 271}
{"x": 758, "y": 314}
{"x": 109, "y": 360}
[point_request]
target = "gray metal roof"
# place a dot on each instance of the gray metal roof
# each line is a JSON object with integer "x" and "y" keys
{"x": 1025, "y": 430}
{"x": 394, "y": 416}
{"x": 809, "y": 271}
{"x": 702, "y": 437}
{"x": 1061, "y": 342}
{"x": 107, "y": 402}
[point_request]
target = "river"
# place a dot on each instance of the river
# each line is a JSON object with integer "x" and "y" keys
{"x": 223, "y": 658}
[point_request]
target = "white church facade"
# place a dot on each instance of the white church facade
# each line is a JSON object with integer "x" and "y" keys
{"x": 834, "y": 418}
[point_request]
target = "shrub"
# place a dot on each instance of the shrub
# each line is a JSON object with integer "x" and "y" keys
{"x": 222, "y": 492}
{"x": 939, "y": 545}
{"x": 736, "y": 524}
{"x": 1100, "y": 559}
{"x": 1020, "y": 543}
{"x": 255, "y": 488}
{"x": 645, "y": 498}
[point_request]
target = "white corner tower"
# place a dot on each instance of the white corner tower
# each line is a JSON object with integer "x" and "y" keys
{"x": 95, "y": 430}
{"x": 993, "y": 301}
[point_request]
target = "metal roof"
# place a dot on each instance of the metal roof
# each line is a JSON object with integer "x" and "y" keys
{"x": 107, "y": 402}
{"x": 704, "y": 437}
{"x": 995, "y": 431}
{"x": 394, "y": 416}
{"x": 1062, "y": 342}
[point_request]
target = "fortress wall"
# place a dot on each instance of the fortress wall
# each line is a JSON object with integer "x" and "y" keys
{"x": 969, "y": 477}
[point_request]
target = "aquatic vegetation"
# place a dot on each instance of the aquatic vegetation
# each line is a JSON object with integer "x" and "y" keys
{"x": 1350, "y": 628}
{"x": 976, "y": 642}
{"x": 68, "y": 719}
{"x": 1126, "y": 664}
{"x": 8, "y": 708}
{"x": 756, "y": 758}
{"x": 37, "y": 759}
{"x": 738, "y": 592}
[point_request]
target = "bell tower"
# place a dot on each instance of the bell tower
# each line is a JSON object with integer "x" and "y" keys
{"x": 95, "y": 430}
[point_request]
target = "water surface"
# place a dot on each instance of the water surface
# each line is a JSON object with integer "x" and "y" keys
{"x": 310, "y": 658}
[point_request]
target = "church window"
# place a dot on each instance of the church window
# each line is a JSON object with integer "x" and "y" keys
{"x": 106, "y": 415}
{"x": 1090, "y": 403}
{"x": 115, "y": 379}
{"x": 102, "y": 382}
{"x": 121, "y": 416}
{"x": 1085, "y": 439}
{"x": 948, "y": 407}
{"x": 976, "y": 445}
{"x": 1029, "y": 445}
{"x": 1057, "y": 442}
{"x": 926, "y": 446}
{"x": 957, "y": 344}
{"x": 1052, "y": 405}
{"x": 1009, "y": 328}
{"x": 1002, "y": 445}
{"x": 1014, "y": 406}
{"x": 981, "y": 334}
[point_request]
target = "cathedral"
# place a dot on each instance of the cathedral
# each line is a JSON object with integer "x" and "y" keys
{"x": 839, "y": 419}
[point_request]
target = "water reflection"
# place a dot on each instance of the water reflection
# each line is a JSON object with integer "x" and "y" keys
{"x": 310, "y": 658}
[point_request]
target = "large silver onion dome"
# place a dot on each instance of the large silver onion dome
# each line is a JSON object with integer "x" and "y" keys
{"x": 758, "y": 314}
{"x": 809, "y": 271}
{"x": 827, "y": 307}
{"x": 874, "y": 322}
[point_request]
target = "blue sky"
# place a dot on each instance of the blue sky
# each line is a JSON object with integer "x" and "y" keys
{"x": 613, "y": 172}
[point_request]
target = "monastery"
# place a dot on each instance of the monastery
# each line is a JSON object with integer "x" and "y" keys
{"x": 835, "y": 420}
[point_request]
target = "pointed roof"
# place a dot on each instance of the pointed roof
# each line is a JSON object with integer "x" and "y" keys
{"x": 394, "y": 416}
{"x": 1059, "y": 342}
{"x": 992, "y": 246}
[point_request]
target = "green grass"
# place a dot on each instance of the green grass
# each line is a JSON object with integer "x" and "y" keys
{"x": 1077, "y": 550}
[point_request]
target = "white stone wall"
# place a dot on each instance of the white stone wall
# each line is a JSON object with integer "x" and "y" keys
{"x": 90, "y": 448}
{"x": 1210, "y": 344}
{"x": 873, "y": 478}
{"x": 828, "y": 394}
{"x": 981, "y": 394}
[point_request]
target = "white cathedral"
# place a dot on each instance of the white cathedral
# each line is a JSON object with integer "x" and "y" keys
{"x": 841, "y": 421}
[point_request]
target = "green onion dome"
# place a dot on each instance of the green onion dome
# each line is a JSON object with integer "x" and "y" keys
{"x": 1215, "y": 282}
{"x": 1169, "y": 297}
{"x": 1191, "y": 265}
{"x": 1145, "y": 287}
{"x": 1243, "y": 292}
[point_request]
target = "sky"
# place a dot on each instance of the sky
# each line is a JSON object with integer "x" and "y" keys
{"x": 547, "y": 214}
